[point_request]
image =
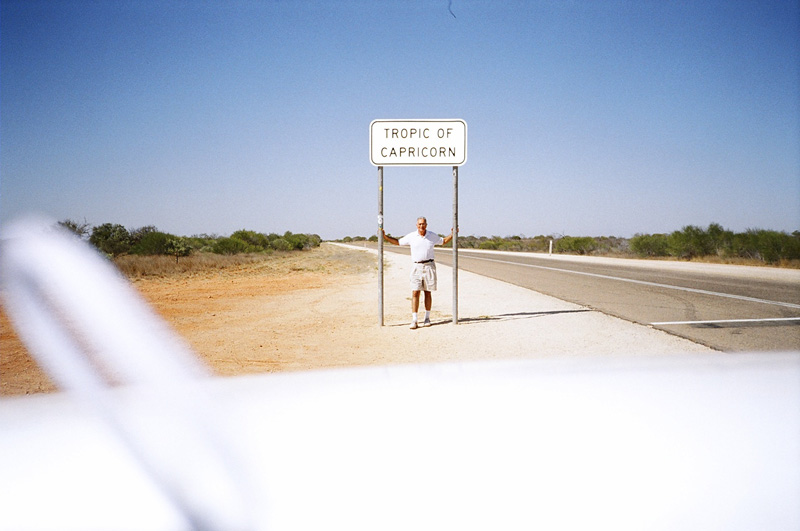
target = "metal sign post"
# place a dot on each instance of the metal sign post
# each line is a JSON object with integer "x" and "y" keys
{"x": 454, "y": 241}
{"x": 380, "y": 245}
{"x": 418, "y": 143}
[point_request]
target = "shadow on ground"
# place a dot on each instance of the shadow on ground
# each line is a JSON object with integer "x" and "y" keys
{"x": 498, "y": 318}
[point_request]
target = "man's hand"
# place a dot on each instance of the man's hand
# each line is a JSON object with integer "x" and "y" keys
{"x": 388, "y": 238}
{"x": 447, "y": 239}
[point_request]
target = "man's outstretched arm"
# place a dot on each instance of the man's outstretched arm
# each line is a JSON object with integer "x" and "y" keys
{"x": 389, "y": 239}
{"x": 447, "y": 239}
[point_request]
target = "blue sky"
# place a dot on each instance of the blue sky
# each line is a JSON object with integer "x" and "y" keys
{"x": 585, "y": 118}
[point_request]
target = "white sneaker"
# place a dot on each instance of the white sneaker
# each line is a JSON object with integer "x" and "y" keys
{"x": 413, "y": 325}
{"x": 426, "y": 323}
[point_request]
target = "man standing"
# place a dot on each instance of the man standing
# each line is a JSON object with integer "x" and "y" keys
{"x": 423, "y": 274}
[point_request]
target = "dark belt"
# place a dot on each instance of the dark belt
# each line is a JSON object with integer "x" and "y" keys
{"x": 424, "y": 261}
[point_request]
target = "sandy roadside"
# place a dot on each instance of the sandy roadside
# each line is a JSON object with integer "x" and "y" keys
{"x": 320, "y": 310}
{"x": 335, "y": 324}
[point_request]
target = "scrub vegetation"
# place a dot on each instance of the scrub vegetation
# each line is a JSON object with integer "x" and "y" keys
{"x": 147, "y": 251}
{"x": 138, "y": 250}
{"x": 711, "y": 244}
{"x": 692, "y": 242}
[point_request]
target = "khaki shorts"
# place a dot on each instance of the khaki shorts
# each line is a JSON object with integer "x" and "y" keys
{"x": 423, "y": 277}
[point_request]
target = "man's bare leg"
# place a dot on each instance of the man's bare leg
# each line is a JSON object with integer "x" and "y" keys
{"x": 428, "y": 304}
{"x": 415, "y": 301}
{"x": 414, "y": 308}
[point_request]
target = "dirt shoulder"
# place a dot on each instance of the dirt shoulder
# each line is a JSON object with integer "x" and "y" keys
{"x": 319, "y": 309}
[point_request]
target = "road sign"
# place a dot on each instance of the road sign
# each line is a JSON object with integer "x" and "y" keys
{"x": 418, "y": 142}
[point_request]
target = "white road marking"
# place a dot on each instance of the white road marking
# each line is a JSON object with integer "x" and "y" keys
{"x": 726, "y": 321}
{"x": 645, "y": 283}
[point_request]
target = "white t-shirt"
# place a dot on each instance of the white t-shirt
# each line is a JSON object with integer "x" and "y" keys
{"x": 421, "y": 246}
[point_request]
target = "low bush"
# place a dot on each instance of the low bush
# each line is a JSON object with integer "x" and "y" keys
{"x": 693, "y": 242}
{"x": 254, "y": 239}
{"x": 690, "y": 242}
{"x": 767, "y": 245}
{"x": 151, "y": 243}
{"x": 650, "y": 245}
{"x": 577, "y": 245}
{"x": 303, "y": 241}
{"x": 512, "y": 243}
{"x": 114, "y": 240}
{"x": 201, "y": 242}
{"x": 233, "y": 246}
{"x": 281, "y": 244}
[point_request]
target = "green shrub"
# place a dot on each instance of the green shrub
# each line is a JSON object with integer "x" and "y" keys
{"x": 296, "y": 241}
{"x": 649, "y": 245}
{"x": 232, "y": 246}
{"x": 690, "y": 242}
{"x": 767, "y": 245}
{"x": 611, "y": 244}
{"x": 141, "y": 232}
{"x": 254, "y": 239}
{"x": 694, "y": 242}
{"x": 306, "y": 241}
{"x": 721, "y": 240}
{"x": 177, "y": 247}
{"x": 111, "y": 239}
{"x": 578, "y": 245}
{"x": 151, "y": 243}
{"x": 281, "y": 244}
{"x": 202, "y": 242}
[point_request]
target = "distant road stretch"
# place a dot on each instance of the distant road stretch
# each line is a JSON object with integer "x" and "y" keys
{"x": 729, "y": 308}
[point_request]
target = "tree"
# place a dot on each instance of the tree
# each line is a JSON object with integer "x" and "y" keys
{"x": 150, "y": 243}
{"x": 81, "y": 230}
{"x": 177, "y": 247}
{"x": 142, "y": 232}
{"x": 111, "y": 239}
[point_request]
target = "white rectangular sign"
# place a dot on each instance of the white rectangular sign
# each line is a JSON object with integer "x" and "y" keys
{"x": 418, "y": 142}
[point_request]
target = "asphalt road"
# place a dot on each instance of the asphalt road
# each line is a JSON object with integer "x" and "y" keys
{"x": 729, "y": 308}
